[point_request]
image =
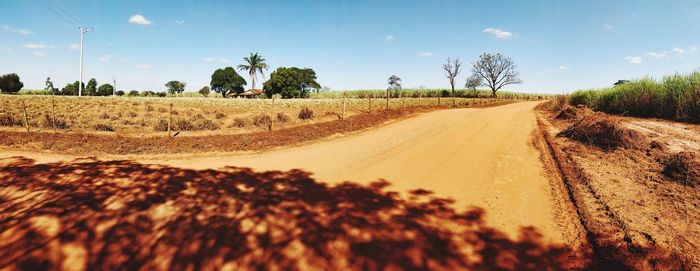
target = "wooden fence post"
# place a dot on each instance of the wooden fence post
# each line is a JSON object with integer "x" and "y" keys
{"x": 369, "y": 102}
{"x": 53, "y": 113}
{"x": 343, "y": 116}
{"x": 170, "y": 119}
{"x": 26, "y": 119}
{"x": 439, "y": 99}
{"x": 387, "y": 99}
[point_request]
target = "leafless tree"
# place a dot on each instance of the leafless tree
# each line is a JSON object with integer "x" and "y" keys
{"x": 452, "y": 69}
{"x": 496, "y": 70}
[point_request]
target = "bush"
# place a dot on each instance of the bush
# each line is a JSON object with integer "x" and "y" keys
{"x": 238, "y": 122}
{"x": 282, "y": 117}
{"x": 683, "y": 167}
{"x": 104, "y": 115}
{"x": 105, "y": 127}
{"x": 60, "y": 124}
{"x": 9, "y": 120}
{"x": 306, "y": 114}
{"x": 262, "y": 120}
{"x": 194, "y": 123}
{"x": 120, "y": 93}
{"x": 133, "y": 93}
{"x": 161, "y": 125}
{"x": 220, "y": 115}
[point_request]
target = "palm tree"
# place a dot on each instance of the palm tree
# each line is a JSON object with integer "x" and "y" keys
{"x": 254, "y": 64}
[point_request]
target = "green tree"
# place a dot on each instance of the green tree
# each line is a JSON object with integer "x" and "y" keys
{"x": 10, "y": 83}
{"x": 291, "y": 82}
{"x": 105, "y": 90}
{"x": 49, "y": 86}
{"x": 473, "y": 82}
{"x": 91, "y": 88}
{"x": 254, "y": 64}
{"x": 226, "y": 80}
{"x": 394, "y": 85}
{"x": 71, "y": 89}
{"x": 120, "y": 93}
{"x": 175, "y": 87}
{"x": 133, "y": 93}
{"x": 205, "y": 91}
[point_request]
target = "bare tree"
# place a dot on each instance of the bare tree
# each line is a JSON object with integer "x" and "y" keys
{"x": 452, "y": 69}
{"x": 496, "y": 70}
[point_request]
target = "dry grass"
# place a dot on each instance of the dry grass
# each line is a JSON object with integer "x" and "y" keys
{"x": 683, "y": 167}
{"x": 605, "y": 132}
{"x": 144, "y": 115}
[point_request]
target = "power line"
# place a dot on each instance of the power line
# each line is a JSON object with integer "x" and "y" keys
{"x": 62, "y": 15}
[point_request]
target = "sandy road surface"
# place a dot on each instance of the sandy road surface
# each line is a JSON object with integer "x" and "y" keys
{"x": 478, "y": 157}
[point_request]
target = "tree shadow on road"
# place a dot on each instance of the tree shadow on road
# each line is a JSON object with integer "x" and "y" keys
{"x": 110, "y": 215}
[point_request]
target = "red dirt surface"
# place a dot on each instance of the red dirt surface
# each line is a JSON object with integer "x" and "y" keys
{"x": 635, "y": 214}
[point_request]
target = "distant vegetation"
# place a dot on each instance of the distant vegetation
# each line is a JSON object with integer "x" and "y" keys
{"x": 674, "y": 97}
{"x": 426, "y": 93}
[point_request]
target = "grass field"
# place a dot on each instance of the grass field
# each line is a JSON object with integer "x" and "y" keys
{"x": 675, "y": 97}
{"x": 143, "y": 115}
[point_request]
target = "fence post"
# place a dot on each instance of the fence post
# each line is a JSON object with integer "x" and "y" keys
{"x": 369, "y": 102}
{"x": 170, "y": 119}
{"x": 53, "y": 113}
{"x": 387, "y": 99}
{"x": 439, "y": 99}
{"x": 26, "y": 119}
{"x": 343, "y": 116}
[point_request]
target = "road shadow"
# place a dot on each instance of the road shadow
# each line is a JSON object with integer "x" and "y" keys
{"x": 108, "y": 215}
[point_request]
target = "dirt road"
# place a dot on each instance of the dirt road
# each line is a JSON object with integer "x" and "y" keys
{"x": 478, "y": 157}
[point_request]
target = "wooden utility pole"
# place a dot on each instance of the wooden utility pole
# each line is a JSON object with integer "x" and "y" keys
{"x": 170, "y": 119}
{"x": 26, "y": 120}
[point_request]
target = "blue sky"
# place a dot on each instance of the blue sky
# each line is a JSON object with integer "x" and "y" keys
{"x": 559, "y": 46}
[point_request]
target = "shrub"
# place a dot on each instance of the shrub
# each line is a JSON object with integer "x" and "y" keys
{"x": 105, "y": 127}
{"x": 133, "y": 93}
{"x": 331, "y": 113}
{"x": 104, "y": 115}
{"x": 282, "y": 117}
{"x": 161, "y": 125}
{"x": 132, "y": 114}
{"x": 238, "y": 122}
{"x": 184, "y": 125}
{"x": 261, "y": 120}
{"x": 120, "y": 93}
{"x": 149, "y": 108}
{"x": 60, "y": 124}
{"x": 8, "y": 120}
{"x": 306, "y": 114}
{"x": 220, "y": 115}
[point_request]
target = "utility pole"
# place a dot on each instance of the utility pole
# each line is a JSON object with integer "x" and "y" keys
{"x": 114, "y": 87}
{"x": 82, "y": 30}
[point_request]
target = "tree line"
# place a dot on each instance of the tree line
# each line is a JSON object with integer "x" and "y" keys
{"x": 494, "y": 71}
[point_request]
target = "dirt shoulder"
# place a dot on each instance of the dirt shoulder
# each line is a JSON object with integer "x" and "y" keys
{"x": 637, "y": 215}
{"x": 76, "y": 143}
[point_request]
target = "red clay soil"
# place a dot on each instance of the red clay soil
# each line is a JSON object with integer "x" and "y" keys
{"x": 97, "y": 144}
{"x": 637, "y": 216}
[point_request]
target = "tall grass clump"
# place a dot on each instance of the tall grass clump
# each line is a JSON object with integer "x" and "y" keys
{"x": 675, "y": 97}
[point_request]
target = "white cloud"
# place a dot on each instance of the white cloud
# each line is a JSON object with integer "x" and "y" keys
{"x": 498, "y": 33}
{"x": 389, "y": 38}
{"x": 20, "y": 31}
{"x": 634, "y": 59}
{"x": 180, "y": 22}
{"x": 74, "y": 46}
{"x": 216, "y": 59}
{"x": 564, "y": 68}
{"x": 608, "y": 27}
{"x": 139, "y": 19}
{"x": 425, "y": 54}
{"x": 658, "y": 55}
{"x": 692, "y": 49}
{"x": 105, "y": 58}
{"x": 39, "y": 53}
{"x": 678, "y": 50}
{"x": 143, "y": 66}
{"x": 34, "y": 46}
